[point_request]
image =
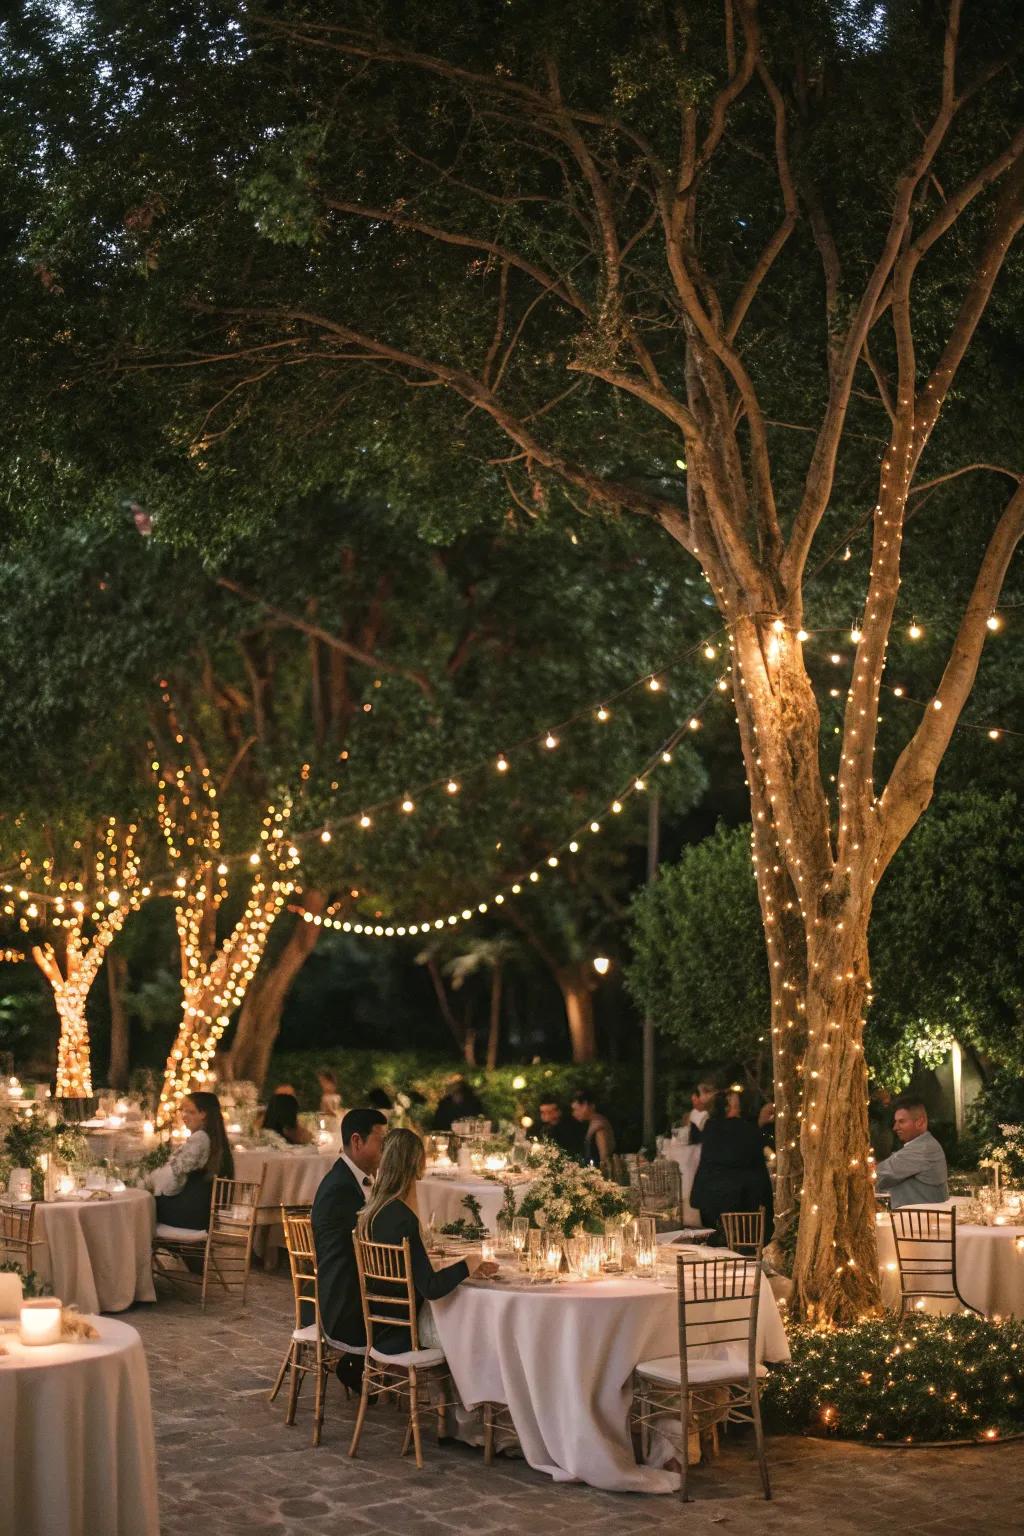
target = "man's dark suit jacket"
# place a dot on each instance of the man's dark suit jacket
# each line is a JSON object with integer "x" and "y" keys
{"x": 336, "y": 1207}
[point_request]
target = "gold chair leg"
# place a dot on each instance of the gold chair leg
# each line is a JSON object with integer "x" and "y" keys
{"x": 414, "y": 1416}
{"x": 318, "y": 1402}
{"x": 293, "y": 1388}
{"x": 281, "y": 1372}
{"x": 364, "y": 1397}
{"x": 762, "y": 1462}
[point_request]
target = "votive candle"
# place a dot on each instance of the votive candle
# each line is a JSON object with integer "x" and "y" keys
{"x": 39, "y": 1321}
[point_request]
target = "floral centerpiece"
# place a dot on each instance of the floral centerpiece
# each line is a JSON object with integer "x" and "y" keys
{"x": 568, "y": 1197}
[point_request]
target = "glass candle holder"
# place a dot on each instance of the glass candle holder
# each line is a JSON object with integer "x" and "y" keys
{"x": 520, "y": 1231}
{"x": 39, "y": 1321}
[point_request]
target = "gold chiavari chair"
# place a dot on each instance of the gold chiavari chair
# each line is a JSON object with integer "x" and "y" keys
{"x": 389, "y": 1299}
{"x": 188, "y": 1258}
{"x": 744, "y": 1232}
{"x": 309, "y": 1349}
{"x": 16, "y": 1240}
{"x": 718, "y": 1306}
{"x": 925, "y": 1241}
{"x": 661, "y": 1191}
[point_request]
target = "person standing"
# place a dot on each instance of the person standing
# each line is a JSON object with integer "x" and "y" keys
{"x": 732, "y": 1174}
{"x": 702, "y": 1098}
{"x": 336, "y": 1206}
{"x": 916, "y": 1173}
{"x": 599, "y": 1138}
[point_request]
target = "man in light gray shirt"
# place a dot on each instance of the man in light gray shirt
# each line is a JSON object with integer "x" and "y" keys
{"x": 916, "y": 1173}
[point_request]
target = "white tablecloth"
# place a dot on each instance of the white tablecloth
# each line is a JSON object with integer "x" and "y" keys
{"x": 77, "y": 1435}
{"x": 289, "y": 1178}
{"x": 444, "y": 1197}
{"x": 562, "y": 1358}
{"x": 687, "y": 1158}
{"x": 95, "y": 1254}
{"x": 990, "y": 1270}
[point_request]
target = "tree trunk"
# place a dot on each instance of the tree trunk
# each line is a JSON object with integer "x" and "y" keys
{"x": 578, "y": 997}
{"x": 494, "y": 1030}
{"x": 259, "y": 1020}
{"x": 459, "y": 1033}
{"x": 836, "y": 1272}
{"x": 117, "y": 973}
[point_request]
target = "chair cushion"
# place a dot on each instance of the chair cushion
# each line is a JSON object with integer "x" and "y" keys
{"x": 700, "y": 1373}
{"x": 305, "y": 1335}
{"x": 179, "y": 1234}
{"x": 345, "y": 1349}
{"x": 419, "y": 1357}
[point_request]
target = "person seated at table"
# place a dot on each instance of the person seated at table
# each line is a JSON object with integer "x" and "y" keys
{"x": 555, "y": 1126}
{"x": 702, "y": 1097}
{"x": 732, "y": 1174}
{"x": 330, "y": 1094}
{"x": 336, "y": 1206}
{"x": 183, "y": 1186}
{"x": 459, "y": 1103}
{"x": 598, "y": 1138}
{"x": 916, "y": 1172}
{"x": 390, "y": 1215}
{"x": 282, "y": 1115}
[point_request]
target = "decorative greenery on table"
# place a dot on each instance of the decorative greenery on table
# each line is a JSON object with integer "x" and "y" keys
{"x": 936, "y": 1378}
{"x": 470, "y": 1227}
{"x": 150, "y": 1161}
{"x": 568, "y": 1197}
{"x": 31, "y": 1284}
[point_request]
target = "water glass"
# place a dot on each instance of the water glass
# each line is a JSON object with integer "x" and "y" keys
{"x": 520, "y": 1232}
{"x": 613, "y": 1245}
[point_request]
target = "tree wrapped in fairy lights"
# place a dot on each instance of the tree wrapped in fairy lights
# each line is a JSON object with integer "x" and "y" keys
{"x": 76, "y": 915}
{"x": 214, "y": 976}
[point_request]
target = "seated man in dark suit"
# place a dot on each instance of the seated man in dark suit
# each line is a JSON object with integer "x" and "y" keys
{"x": 338, "y": 1202}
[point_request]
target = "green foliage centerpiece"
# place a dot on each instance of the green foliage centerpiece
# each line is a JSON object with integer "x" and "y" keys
{"x": 568, "y": 1197}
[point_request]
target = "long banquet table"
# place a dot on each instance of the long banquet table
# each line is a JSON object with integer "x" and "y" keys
{"x": 561, "y": 1357}
{"x": 96, "y": 1254}
{"x": 990, "y": 1270}
{"x": 77, "y": 1433}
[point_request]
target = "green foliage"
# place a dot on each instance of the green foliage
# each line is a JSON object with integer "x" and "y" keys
{"x": 948, "y": 1378}
{"x": 699, "y": 961}
{"x": 568, "y": 1197}
{"x": 472, "y": 1226}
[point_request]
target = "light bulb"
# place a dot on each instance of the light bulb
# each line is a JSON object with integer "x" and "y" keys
{"x": 407, "y": 806}
{"x": 710, "y": 652}
{"x": 616, "y": 806}
{"x": 602, "y": 964}
{"x": 452, "y": 787}
{"x": 603, "y": 714}
{"x": 365, "y": 821}
{"x": 551, "y": 742}
{"x": 993, "y": 621}
{"x": 640, "y": 784}
{"x": 653, "y": 684}
{"x": 779, "y": 627}
{"x": 502, "y": 765}
{"x": 855, "y": 634}
{"x": 694, "y": 723}
{"x": 802, "y": 635}
{"x": 325, "y": 836}
{"x": 915, "y": 631}
{"x": 994, "y": 735}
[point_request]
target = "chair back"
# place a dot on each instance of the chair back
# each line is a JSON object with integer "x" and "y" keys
{"x": 16, "y": 1240}
{"x": 386, "y": 1286}
{"x": 298, "y": 1236}
{"x": 925, "y": 1241}
{"x": 661, "y": 1188}
{"x": 718, "y": 1307}
{"x": 233, "y": 1210}
{"x": 744, "y": 1231}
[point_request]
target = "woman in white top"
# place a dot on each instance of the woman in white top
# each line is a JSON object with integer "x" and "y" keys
{"x": 184, "y": 1185}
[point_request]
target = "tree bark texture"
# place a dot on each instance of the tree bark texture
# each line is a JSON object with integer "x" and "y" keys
{"x": 120, "y": 1057}
{"x": 578, "y": 996}
{"x": 494, "y": 1023}
{"x": 259, "y": 1019}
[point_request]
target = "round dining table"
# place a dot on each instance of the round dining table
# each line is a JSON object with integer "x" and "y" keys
{"x": 95, "y": 1253}
{"x": 442, "y": 1195}
{"x": 76, "y": 1422}
{"x": 290, "y": 1177}
{"x": 989, "y": 1264}
{"x": 561, "y": 1357}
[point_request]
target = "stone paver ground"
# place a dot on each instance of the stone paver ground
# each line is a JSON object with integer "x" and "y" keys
{"x": 228, "y": 1463}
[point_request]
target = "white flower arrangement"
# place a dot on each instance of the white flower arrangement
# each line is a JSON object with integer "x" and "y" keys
{"x": 568, "y": 1197}
{"x": 1008, "y": 1156}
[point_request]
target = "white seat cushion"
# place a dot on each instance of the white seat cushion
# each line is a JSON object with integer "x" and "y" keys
{"x": 418, "y": 1357}
{"x": 700, "y": 1373}
{"x": 346, "y": 1349}
{"x": 305, "y": 1335}
{"x": 179, "y": 1234}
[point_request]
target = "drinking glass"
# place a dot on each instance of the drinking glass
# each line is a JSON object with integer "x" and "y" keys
{"x": 553, "y": 1253}
{"x": 520, "y": 1231}
{"x": 612, "y": 1245}
{"x": 644, "y": 1248}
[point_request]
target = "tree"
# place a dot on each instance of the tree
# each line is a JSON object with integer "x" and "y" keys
{"x": 633, "y": 261}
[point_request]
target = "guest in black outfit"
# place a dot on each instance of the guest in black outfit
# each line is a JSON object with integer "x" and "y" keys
{"x": 556, "y": 1126}
{"x": 459, "y": 1103}
{"x": 338, "y": 1201}
{"x": 390, "y": 1216}
{"x": 183, "y": 1186}
{"x": 282, "y": 1115}
{"x": 732, "y": 1174}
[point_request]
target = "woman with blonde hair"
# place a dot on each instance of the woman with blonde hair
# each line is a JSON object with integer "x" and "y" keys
{"x": 390, "y": 1216}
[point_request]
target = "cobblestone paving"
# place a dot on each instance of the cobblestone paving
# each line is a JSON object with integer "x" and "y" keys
{"x": 228, "y": 1463}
